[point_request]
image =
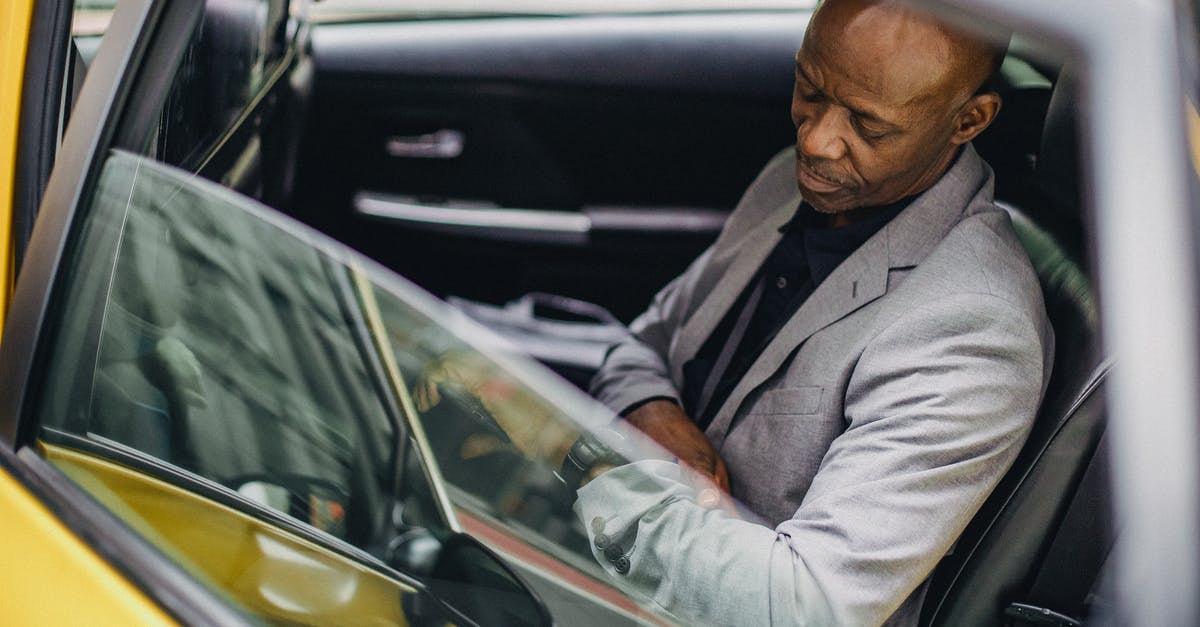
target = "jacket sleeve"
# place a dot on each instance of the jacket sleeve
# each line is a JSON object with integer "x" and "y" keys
{"x": 937, "y": 408}
{"x": 635, "y": 369}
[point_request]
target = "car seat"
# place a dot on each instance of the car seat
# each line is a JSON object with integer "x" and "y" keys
{"x": 1052, "y": 505}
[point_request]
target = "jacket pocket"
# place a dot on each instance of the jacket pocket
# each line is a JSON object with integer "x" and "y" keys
{"x": 789, "y": 401}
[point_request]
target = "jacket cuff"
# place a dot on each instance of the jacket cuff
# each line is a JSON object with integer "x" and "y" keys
{"x": 611, "y": 506}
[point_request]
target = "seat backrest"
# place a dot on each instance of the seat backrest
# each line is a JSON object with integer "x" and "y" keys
{"x": 999, "y": 555}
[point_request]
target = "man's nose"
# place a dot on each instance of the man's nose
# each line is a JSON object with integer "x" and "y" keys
{"x": 819, "y": 137}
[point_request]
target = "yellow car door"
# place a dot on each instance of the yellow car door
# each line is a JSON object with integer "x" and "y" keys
{"x": 190, "y": 430}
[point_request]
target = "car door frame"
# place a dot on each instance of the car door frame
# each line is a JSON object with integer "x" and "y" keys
{"x": 1145, "y": 247}
{"x": 75, "y": 165}
{"x": 43, "y": 90}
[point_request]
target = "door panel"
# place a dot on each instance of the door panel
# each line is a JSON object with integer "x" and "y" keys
{"x": 649, "y": 126}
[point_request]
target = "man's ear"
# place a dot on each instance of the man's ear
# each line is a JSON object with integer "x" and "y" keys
{"x": 976, "y": 115}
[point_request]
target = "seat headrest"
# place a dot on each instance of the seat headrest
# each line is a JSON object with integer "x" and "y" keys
{"x": 1057, "y": 171}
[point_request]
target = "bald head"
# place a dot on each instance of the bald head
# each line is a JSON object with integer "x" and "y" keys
{"x": 900, "y": 50}
{"x": 884, "y": 97}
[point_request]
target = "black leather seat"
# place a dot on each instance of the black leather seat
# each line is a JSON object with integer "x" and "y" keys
{"x": 1000, "y": 558}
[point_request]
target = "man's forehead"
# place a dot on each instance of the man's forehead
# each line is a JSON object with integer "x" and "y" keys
{"x": 887, "y": 54}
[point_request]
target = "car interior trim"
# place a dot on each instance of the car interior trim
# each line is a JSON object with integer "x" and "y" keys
{"x": 146, "y": 567}
{"x": 273, "y": 80}
{"x": 651, "y": 220}
{"x": 687, "y": 49}
{"x": 564, "y": 227}
{"x": 370, "y": 309}
{"x": 446, "y": 143}
{"x": 488, "y": 221}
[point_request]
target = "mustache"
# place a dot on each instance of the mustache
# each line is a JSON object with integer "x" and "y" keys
{"x": 826, "y": 171}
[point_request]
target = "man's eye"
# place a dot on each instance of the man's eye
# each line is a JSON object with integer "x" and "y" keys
{"x": 812, "y": 96}
{"x": 807, "y": 92}
{"x": 868, "y": 133}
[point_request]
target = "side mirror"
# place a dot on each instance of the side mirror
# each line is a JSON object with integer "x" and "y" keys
{"x": 475, "y": 582}
{"x": 315, "y": 501}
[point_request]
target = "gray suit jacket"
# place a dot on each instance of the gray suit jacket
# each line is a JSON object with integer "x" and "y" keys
{"x": 865, "y": 435}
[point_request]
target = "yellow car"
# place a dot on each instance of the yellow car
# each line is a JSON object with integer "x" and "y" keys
{"x": 216, "y": 411}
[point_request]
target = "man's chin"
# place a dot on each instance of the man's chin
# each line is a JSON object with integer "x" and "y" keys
{"x": 829, "y": 203}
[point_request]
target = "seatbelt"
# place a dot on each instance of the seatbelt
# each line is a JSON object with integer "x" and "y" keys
{"x": 1069, "y": 571}
{"x": 731, "y": 345}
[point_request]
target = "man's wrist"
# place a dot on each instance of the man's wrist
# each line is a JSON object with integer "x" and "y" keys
{"x": 646, "y": 401}
{"x": 588, "y": 458}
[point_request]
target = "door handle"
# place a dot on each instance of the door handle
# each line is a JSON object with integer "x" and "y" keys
{"x": 444, "y": 144}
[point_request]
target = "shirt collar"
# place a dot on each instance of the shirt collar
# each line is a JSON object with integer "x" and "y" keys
{"x": 825, "y": 248}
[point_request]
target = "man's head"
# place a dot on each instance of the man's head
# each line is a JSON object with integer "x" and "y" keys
{"x": 884, "y": 98}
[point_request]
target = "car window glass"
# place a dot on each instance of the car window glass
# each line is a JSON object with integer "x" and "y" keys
{"x": 219, "y": 344}
{"x": 233, "y": 50}
{"x": 201, "y": 339}
{"x": 91, "y": 17}
{"x": 487, "y": 430}
{"x": 497, "y": 428}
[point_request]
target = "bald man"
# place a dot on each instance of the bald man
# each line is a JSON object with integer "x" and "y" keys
{"x": 857, "y": 359}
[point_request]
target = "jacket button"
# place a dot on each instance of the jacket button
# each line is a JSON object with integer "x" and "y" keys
{"x": 602, "y": 541}
{"x": 614, "y": 552}
{"x": 597, "y": 525}
{"x": 622, "y": 565}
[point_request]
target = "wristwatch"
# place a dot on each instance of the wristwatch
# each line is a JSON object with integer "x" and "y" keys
{"x": 587, "y": 453}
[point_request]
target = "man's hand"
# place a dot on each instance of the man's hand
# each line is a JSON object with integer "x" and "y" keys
{"x": 665, "y": 423}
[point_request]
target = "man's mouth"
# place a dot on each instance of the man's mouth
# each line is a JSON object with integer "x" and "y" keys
{"x": 815, "y": 182}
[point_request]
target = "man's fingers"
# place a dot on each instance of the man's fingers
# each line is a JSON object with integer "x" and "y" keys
{"x": 712, "y": 493}
{"x": 721, "y": 475}
{"x": 708, "y": 498}
{"x": 425, "y": 394}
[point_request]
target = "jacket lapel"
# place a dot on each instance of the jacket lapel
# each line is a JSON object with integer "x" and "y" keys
{"x": 733, "y": 280}
{"x": 862, "y": 277}
{"x": 857, "y": 281}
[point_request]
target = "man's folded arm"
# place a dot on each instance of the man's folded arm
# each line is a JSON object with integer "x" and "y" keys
{"x": 937, "y": 408}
